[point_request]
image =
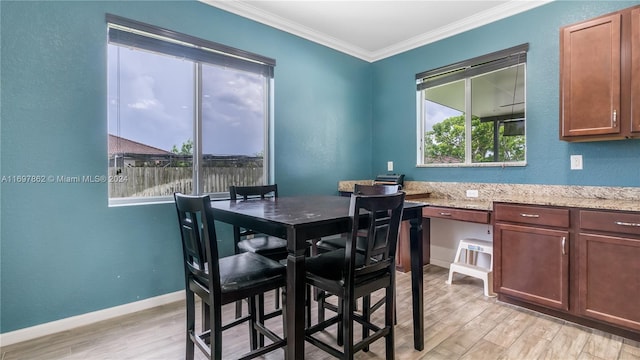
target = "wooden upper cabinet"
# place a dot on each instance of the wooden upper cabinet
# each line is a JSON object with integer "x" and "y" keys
{"x": 635, "y": 70}
{"x": 600, "y": 78}
{"x": 590, "y": 77}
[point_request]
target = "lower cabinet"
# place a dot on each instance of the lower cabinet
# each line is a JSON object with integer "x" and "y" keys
{"x": 580, "y": 264}
{"x": 609, "y": 267}
{"x": 531, "y": 254}
{"x": 532, "y": 265}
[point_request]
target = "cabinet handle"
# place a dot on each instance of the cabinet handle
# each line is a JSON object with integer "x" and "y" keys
{"x": 564, "y": 241}
{"x": 615, "y": 118}
{"x": 530, "y": 215}
{"x": 445, "y": 214}
{"x": 622, "y": 223}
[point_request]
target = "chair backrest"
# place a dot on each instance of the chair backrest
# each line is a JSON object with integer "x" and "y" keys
{"x": 199, "y": 242}
{"x": 382, "y": 214}
{"x": 377, "y": 189}
{"x": 248, "y": 192}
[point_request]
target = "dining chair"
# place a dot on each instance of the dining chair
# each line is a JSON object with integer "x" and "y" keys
{"x": 248, "y": 240}
{"x": 350, "y": 273}
{"x": 218, "y": 281}
{"x": 333, "y": 243}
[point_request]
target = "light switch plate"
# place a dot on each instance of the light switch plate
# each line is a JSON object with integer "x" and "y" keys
{"x": 576, "y": 162}
{"x": 389, "y": 165}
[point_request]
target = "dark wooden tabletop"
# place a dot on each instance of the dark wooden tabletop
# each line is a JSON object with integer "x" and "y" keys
{"x": 295, "y": 210}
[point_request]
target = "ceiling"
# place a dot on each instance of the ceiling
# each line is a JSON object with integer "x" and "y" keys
{"x": 375, "y": 29}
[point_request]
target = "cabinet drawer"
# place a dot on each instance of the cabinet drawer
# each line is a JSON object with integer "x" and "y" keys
{"x": 477, "y": 216}
{"x": 618, "y": 222}
{"x": 535, "y": 215}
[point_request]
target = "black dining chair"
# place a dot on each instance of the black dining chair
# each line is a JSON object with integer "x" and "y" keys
{"x": 248, "y": 240}
{"x": 333, "y": 243}
{"x": 350, "y": 273}
{"x": 222, "y": 280}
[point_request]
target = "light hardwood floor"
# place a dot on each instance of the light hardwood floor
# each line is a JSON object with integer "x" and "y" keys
{"x": 460, "y": 323}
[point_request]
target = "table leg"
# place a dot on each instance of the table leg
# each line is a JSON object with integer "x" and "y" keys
{"x": 417, "y": 277}
{"x": 295, "y": 297}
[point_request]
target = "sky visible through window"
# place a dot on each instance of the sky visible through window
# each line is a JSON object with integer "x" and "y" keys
{"x": 157, "y": 103}
{"x": 436, "y": 113}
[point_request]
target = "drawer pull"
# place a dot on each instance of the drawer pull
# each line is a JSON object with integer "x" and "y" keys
{"x": 615, "y": 118}
{"x": 530, "y": 215}
{"x": 445, "y": 214}
{"x": 622, "y": 223}
{"x": 564, "y": 240}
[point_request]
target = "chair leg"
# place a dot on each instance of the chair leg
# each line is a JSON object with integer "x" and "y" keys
{"x": 341, "y": 322}
{"x": 366, "y": 315}
{"x": 307, "y": 307}
{"x": 320, "y": 299}
{"x": 191, "y": 324}
{"x": 260, "y": 318}
{"x": 347, "y": 325}
{"x": 389, "y": 309}
{"x": 206, "y": 324}
{"x": 253, "y": 333}
{"x": 284, "y": 312}
{"x": 238, "y": 309}
{"x": 277, "y": 299}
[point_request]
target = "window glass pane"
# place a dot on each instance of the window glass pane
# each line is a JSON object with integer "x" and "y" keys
{"x": 150, "y": 112}
{"x": 444, "y": 123}
{"x": 233, "y": 128}
{"x": 498, "y": 112}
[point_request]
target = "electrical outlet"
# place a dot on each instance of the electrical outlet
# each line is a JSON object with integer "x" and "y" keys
{"x": 472, "y": 193}
{"x": 389, "y": 165}
{"x": 576, "y": 162}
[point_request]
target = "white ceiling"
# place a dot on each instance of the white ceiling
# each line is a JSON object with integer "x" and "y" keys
{"x": 375, "y": 29}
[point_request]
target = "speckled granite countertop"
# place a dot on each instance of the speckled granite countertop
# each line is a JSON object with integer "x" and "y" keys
{"x": 451, "y": 194}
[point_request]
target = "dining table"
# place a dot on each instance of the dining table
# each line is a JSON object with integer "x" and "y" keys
{"x": 300, "y": 219}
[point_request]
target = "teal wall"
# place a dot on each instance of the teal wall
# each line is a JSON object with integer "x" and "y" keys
{"x": 612, "y": 163}
{"x": 64, "y": 252}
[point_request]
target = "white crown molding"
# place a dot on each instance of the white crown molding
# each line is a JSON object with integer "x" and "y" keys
{"x": 250, "y": 12}
{"x": 500, "y": 12}
{"x": 510, "y": 8}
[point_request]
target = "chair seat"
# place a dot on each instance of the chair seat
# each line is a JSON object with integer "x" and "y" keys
{"x": 268, "y": 246}
{"x": 330, "y": 265}
{"x": 247, "y": 271}
{"x": 334, "y": 243}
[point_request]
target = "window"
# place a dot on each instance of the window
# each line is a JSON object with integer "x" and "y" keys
{"x": 185, "y": 114}
{"x": 472, "y": 113}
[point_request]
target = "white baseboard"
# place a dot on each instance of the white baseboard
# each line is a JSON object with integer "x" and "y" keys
{"x": 440, "y": 263}
{"x": 69, "y": 323}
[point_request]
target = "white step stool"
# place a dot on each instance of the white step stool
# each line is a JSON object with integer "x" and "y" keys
{"x": 472, "y": 248}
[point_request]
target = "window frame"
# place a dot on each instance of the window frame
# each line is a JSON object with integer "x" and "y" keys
{"x": 466, "y": 70}
{"x": 141, "y": 36}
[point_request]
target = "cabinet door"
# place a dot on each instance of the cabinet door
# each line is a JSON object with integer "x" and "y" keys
{"x": 609, "y": 279}
{"x": 635, "y": 70}
{"x": 532, "y": 264}
{"x": 590, "y": 77}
